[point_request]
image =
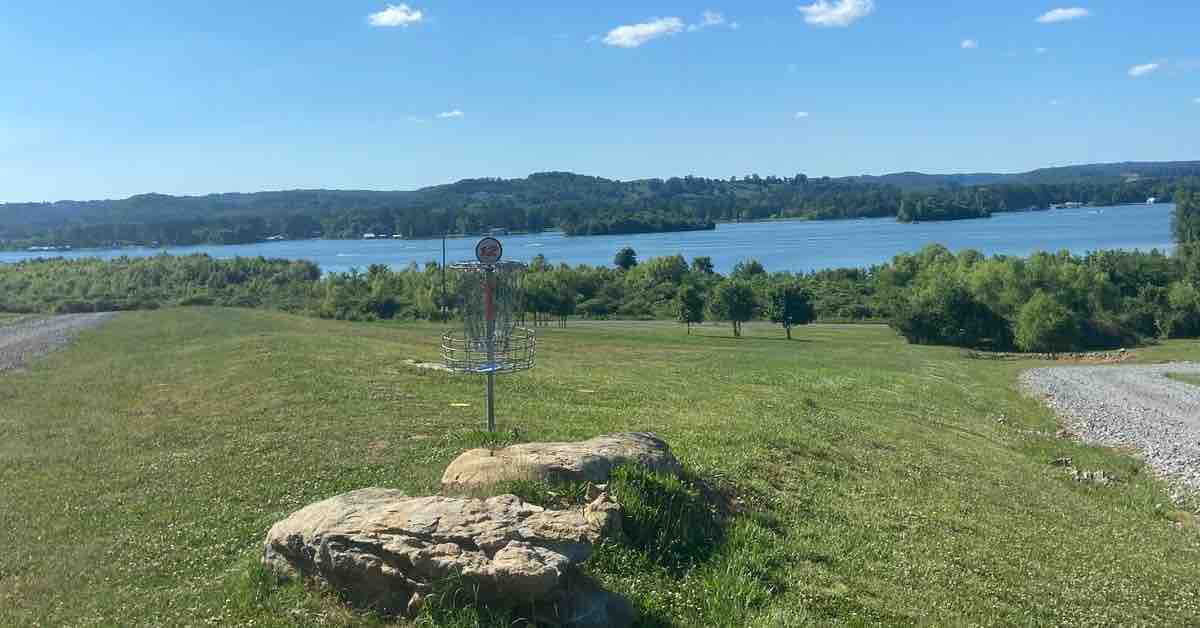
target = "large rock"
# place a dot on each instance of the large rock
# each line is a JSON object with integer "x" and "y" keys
{"x": 383, "y": 549}
{"x": 590, "y": 460}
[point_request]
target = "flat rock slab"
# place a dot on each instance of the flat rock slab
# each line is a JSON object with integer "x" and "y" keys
{"x": 383, "y": 549}
{"x": 584, "y": 461}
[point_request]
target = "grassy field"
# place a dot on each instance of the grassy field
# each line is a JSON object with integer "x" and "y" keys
{"x": 882, "y": 482}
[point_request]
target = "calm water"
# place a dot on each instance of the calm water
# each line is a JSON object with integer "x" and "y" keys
{"x": 785, "y": 245}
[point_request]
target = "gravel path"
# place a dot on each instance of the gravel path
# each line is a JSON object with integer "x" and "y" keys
{"x": 1130, "y": 406}
{"x": 25, "y": 340}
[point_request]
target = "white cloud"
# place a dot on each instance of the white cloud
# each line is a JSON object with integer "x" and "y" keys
{"x": 969, "y": 44}
{"x": 1040, "y": 50}
{"x": 710, "y": 19}
{"x": 800, "y": 115}
{"x": 396, "y": 15}
{"x": 454, "y": 113}
{"x": 707, "y": 19}
{"x": 837, "y": 13}
{"x": 1144, "y": 69}
{"x": 634, "y": 35}
{"x": 1063, "y": 15}
{"x": 1054, "y": 102}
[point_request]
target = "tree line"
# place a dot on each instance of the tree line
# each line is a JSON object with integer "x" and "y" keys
{"x": 575, "y": 204}
{"x": 1043, "y": 302}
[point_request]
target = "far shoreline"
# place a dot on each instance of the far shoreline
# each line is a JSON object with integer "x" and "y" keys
{"x": 453, "y": 236}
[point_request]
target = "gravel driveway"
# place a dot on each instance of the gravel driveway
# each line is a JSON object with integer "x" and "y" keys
{"x": 1130, "y": 406}
{"x": 23, "y": 341}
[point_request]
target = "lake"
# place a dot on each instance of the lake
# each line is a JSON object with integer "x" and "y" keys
{"x": 781, "y": 245}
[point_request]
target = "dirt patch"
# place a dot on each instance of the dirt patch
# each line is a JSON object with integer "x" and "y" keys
{"x": 27, "y": 340}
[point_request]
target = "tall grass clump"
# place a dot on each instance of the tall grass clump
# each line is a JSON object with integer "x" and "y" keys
{"x": 667, "y": 518}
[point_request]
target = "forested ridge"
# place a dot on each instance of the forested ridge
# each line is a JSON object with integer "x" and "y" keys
{"x": 576, "y": 204}
{"x": 1044, "y": 302}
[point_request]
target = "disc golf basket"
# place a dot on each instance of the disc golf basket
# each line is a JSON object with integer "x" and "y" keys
{"x": 490, "y": 341}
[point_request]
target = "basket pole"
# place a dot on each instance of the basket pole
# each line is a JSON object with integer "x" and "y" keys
{"x": 490, "y": 315}
{"x": 491, "y": 396}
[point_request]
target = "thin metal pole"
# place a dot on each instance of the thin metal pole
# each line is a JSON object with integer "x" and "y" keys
{"x": 491, "y": 399}
{"x": 489, "y": 308}
{"x": 443, "y": 303}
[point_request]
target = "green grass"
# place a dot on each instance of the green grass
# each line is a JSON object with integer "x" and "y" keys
{"x": 7, "y": 318}
{"x": 876, "y": 482}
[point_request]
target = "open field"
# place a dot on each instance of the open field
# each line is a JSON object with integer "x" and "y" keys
{"x": 883, "y": 482}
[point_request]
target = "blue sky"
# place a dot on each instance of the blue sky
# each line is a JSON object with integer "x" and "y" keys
{"x": 109, "y": 99}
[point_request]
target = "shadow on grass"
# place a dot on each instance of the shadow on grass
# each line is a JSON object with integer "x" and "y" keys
{"x": 746, "y": 338}
{"x": 691, "y": 553}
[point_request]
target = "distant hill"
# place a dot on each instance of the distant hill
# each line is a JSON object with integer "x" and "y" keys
{"x": 577, "y": 204}
{"x": 1095, "y": 173}
{"x": 922, "y": 181}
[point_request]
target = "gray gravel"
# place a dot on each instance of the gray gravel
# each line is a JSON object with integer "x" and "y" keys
{"x": 26, "y": 340}
{"x": 1130, "y": 406}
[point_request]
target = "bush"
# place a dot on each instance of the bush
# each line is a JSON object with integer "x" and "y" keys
{"x": 196, "y": 300}
{"x": 73, "y": 307}
{"x": 946, "y": 313}
{"x": 1045, "y": 325}
{"x": 1183, "y": 317}
{"x": 1106, "y": 332}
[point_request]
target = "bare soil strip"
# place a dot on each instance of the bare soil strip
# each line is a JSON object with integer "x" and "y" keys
{"x": 26, "y": 340}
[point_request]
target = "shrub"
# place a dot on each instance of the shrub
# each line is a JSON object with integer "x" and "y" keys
{"x": 1183, "y": 318}
{"x": 73, "y": 307}
{"x": 946, "y": 313}
{"x": 1045, "y": 325}
{"x": 196, "y": 300}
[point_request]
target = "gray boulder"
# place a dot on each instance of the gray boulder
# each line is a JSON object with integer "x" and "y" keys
{"x": 584, "y": 461}
{"x": 383, "y": 549}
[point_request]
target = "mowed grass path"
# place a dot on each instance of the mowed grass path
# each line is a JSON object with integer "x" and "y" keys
{"x": 141, "y": 468}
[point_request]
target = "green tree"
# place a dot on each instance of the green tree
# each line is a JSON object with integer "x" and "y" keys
{"x": 690, "y": 306}
{"x": 748, "y": 269}
{"x": 1185, "y": 226}
{"x": 944, "y": 312}
{"x": 1185, "y": 222}
{"x": 733, "y": 300}
{"x": 625, "y": 259}
{"x": 702, "y": 265}
{"x": 790, "y": 304}
{"x": 1045, "y": 325}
